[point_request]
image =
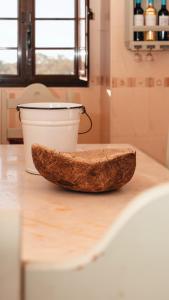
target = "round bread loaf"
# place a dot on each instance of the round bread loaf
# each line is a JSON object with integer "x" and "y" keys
{"x": 86, "y": 171}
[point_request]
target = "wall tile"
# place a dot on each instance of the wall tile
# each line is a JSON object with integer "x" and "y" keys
{"x": 153, "y": 146}
{"x": 139, "y": 106}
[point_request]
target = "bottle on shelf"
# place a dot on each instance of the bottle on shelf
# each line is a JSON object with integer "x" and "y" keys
{"x": 163, "y": 20}
{"x": 150, "y": 20}
{"x": 138, "y": 20}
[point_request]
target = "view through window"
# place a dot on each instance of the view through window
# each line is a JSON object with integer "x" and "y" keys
{"x": 44, "y": 41}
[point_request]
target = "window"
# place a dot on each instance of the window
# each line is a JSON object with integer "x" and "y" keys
{"x": 44, "y": 41}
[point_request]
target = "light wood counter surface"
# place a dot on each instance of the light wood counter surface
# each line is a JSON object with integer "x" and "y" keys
{"x": 59, "y": 225}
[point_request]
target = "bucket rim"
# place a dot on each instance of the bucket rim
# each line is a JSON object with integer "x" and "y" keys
{"x": 50, "y": 105}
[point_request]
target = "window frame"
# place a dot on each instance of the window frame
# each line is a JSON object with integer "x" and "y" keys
{"x": 26, "y": 74}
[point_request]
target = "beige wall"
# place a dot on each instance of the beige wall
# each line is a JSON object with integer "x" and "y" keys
{"x": 105, "y": 56}
{"x": 139, "y": 105}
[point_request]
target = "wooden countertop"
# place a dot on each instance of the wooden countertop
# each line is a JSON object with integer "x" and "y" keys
{"x": 58, "y": 225}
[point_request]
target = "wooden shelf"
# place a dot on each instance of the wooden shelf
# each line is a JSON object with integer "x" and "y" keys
{"x": 152, "y": 28}
{"x": 130, "y": 29}
{"x": 145, "y": 46}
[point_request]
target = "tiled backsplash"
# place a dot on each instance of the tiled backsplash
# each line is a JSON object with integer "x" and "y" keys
{"x": 134, "y": 96}
{"x": 132, "y": 82}
{"x": 146, "y": 82}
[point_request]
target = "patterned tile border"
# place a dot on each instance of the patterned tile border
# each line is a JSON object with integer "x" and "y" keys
{"x": 117, "y": 82}
{"x": 130, "y": 82}
{"x": 133, "y": 82}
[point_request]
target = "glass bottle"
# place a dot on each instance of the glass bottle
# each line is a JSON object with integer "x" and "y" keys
{"x": 150, "y": 20}
{"x": 138, "y": 20}
{"x": 163, "y": 20}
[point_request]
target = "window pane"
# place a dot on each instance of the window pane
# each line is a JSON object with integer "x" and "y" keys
{"x": 9, "y": 9}
{"x": 54, "y": 8}
{"x": 82, "y": 62}
{"x": 55, "y": 62}
{"x": 82, "y": 8}
{"x": 55, "y": 34}
{"x": 82, "y": 30}
{"x": 8, "y": 62}
{"x": 8, "y": 33}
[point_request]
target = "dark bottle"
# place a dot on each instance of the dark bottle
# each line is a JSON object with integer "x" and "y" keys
{"x": 138, "y": 20}
{"x": 163, "y": 20}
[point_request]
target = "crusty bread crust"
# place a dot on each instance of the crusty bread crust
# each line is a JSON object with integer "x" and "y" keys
{"x": 86, "y": 171}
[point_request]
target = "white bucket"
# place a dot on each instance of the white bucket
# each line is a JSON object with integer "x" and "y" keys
{"x": 54, "y": 125}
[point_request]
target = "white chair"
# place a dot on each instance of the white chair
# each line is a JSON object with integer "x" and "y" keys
{"x": 131, "y": 262}
{"x": 33, "y": 93}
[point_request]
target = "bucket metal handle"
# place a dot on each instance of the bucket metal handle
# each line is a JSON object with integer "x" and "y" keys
{"x": 89, "y": 118}
{"x": 83, "y": 112}
{"x": 18, "y": 109}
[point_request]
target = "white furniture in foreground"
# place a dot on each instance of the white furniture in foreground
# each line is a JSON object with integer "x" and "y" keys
{"x": 62, "y": 235}
{"x": 131, "y": 262}
{"x": 10, "y": 247}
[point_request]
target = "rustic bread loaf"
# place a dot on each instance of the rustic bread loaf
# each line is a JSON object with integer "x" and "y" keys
{"x": 86, "y": 171}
